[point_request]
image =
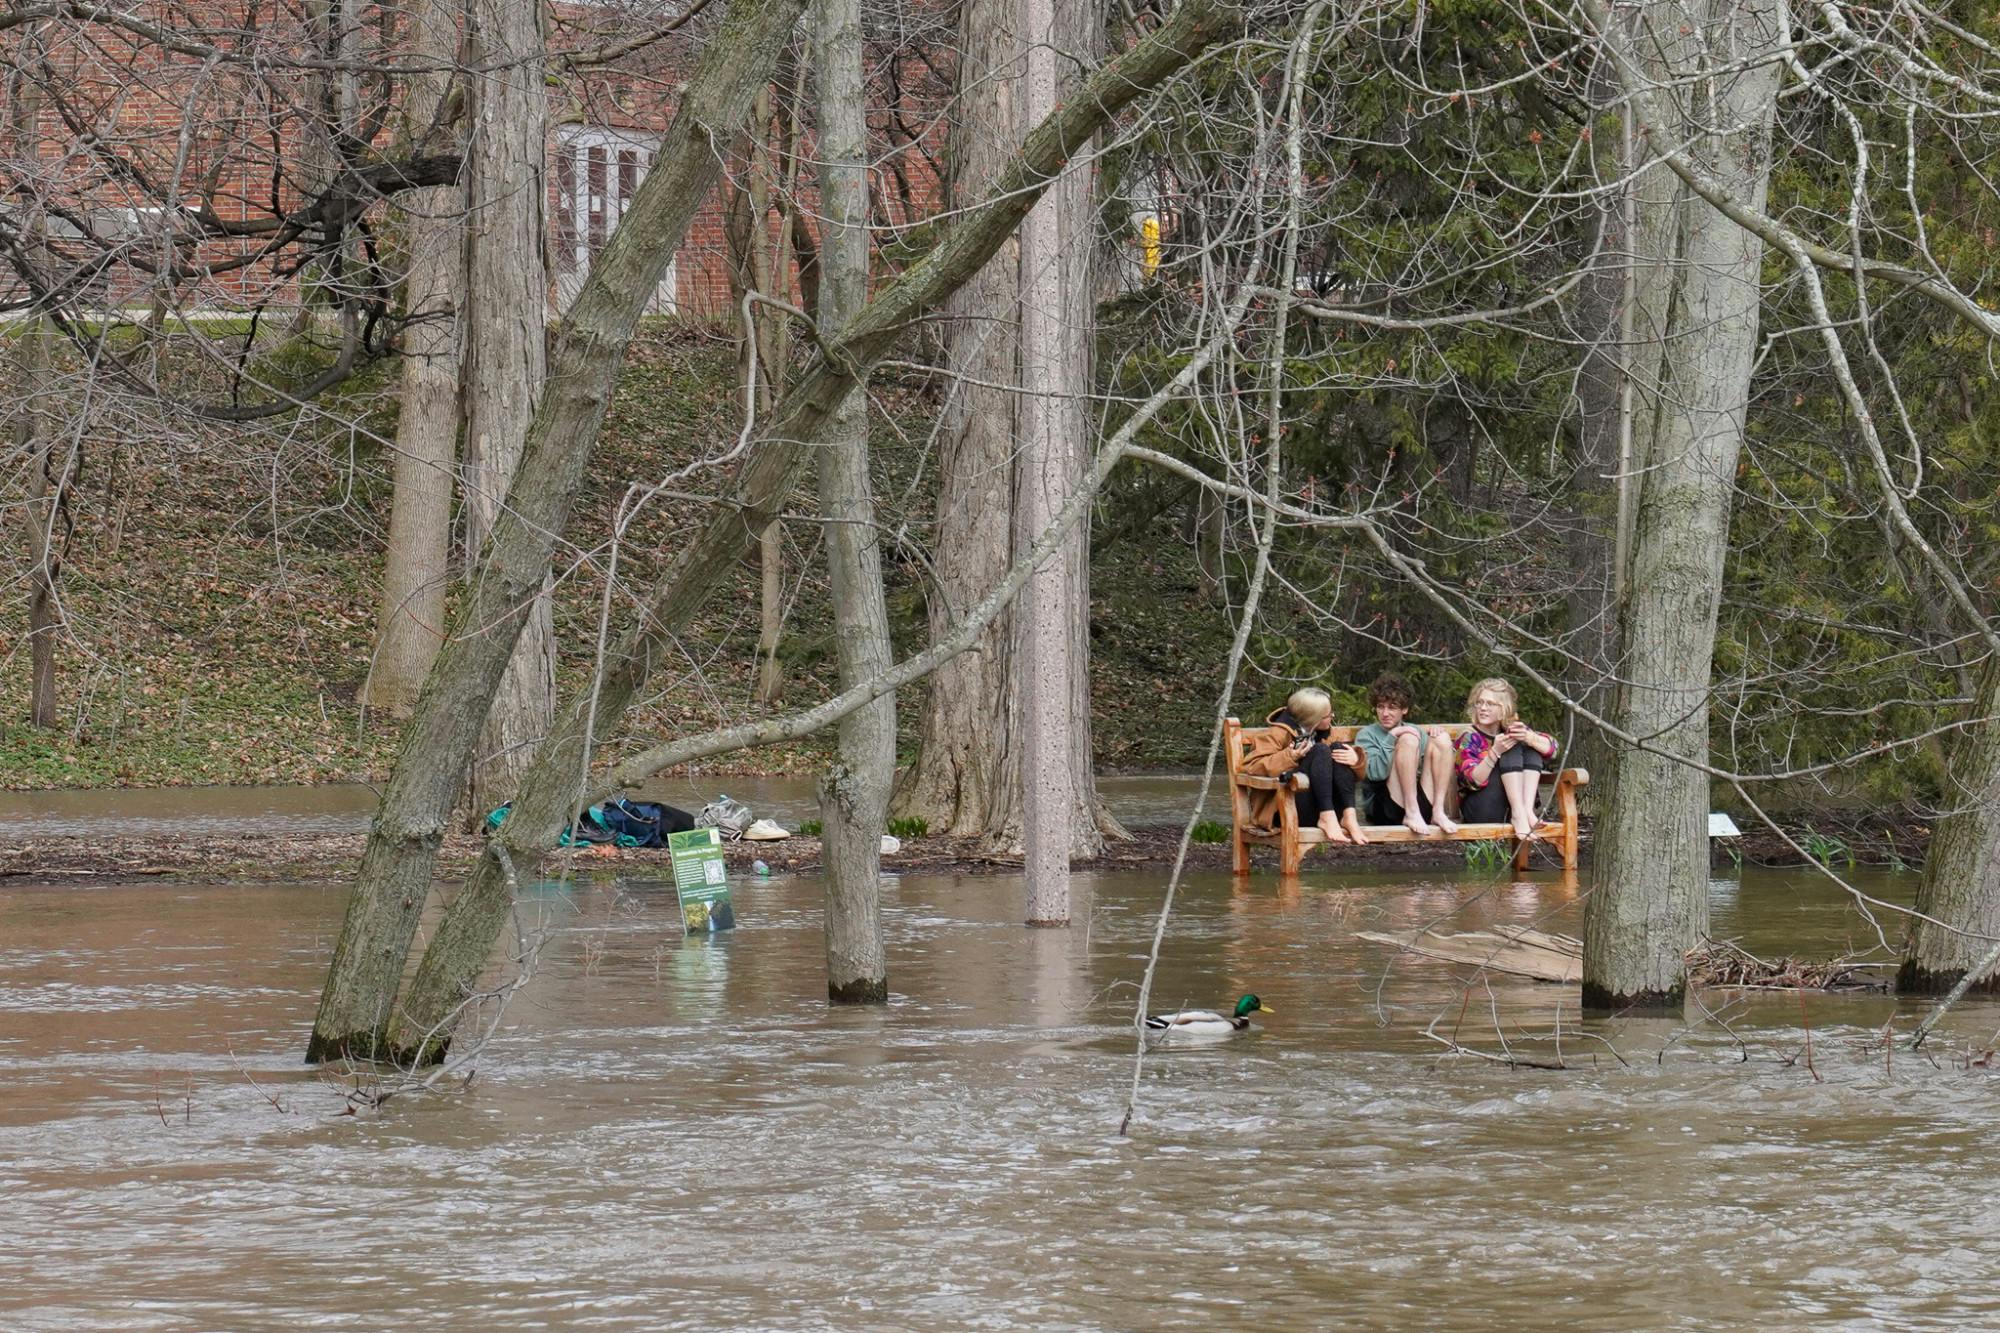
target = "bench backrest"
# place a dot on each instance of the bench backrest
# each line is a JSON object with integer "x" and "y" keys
{"x": 1237, "y": 738}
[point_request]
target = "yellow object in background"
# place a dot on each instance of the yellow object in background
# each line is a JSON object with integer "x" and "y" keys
{"x": 1149, "y": 241}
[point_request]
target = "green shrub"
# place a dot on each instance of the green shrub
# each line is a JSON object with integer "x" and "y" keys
{"x": 1827, "y": 849}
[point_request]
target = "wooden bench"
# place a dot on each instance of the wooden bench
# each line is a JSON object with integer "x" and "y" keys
{"x": 1292, "y": 841}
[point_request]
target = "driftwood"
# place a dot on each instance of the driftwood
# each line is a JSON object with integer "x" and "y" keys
{"x": 1519, "y": 951}
{"x": 1515, "y": 950}
{"x": 1720, "y": 963}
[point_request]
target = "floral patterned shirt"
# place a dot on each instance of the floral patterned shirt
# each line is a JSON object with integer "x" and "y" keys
{"x": 1472, "y": 748}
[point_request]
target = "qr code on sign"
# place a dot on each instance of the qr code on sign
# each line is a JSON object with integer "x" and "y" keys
{"x": 712, "y": 872}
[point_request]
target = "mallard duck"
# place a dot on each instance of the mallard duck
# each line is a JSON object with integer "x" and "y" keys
{"x": 1207, "y": 1022}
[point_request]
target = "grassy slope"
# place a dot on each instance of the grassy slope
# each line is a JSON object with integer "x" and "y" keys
{"x": 221, "y": 594}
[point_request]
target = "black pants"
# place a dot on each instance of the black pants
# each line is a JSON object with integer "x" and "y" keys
{"x": 1488, "y": 805}
{"x": 1332, "y": 785}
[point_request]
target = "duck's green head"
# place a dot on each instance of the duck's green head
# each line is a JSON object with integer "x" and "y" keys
{"x": 1250, "y": 1004}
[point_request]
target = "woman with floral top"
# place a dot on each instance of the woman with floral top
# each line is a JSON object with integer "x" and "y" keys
{"x": 1499, "y": 744}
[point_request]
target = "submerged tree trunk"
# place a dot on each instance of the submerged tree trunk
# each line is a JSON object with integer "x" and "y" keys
{"x": 854, "y": 794}
{"x": 474, "y": 920}
{"x": 1043, "y": 667}
{"x": 1961, "y": 882}
{"x": 963, "y": 729}
{"x": 409, "y": 622}
{"x": 1701, "y": 302}
{"x": 357, "y": 1003}
{"x": 1044, "y": 753}
{"x": 506, "y": 350}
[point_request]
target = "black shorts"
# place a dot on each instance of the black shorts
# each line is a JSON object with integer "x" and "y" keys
{"x": 1382, "y": 808}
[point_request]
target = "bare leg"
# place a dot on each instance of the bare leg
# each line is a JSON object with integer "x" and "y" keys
{"x": 1403, "y": 783}
{"x": 1329, "y": 824}
{"x": 1440, "y": 763}
{"x": 1520, "y": 788}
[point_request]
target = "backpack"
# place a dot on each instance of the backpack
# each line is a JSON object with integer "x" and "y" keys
{"x": 641, "y": 823}
{"x": 620, "y": 822}
{"x": 727, "y": 817}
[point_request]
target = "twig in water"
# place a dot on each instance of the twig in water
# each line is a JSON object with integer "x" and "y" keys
{"x": 267, "y": 1095}
{"x": 1806, "y": 1018}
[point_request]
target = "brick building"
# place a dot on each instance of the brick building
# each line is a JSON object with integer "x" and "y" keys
{"x": 171, "y": 147}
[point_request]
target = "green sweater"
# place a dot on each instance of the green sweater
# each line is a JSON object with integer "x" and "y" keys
{"x": 1379, "y": 746}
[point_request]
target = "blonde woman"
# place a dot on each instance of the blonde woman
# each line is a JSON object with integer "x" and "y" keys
{"x": 1328, "y": 802}
{"x": 1499, "y": 744}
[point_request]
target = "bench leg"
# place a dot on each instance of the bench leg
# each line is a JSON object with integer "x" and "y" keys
{"x": 1290, "y": 854}
{"x": 1566, "y": 806}
{"x": 1239, "y": 862}
{"x": 1522, "y": 847}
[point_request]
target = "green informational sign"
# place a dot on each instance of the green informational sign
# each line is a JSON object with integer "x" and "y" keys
{"x": 701, "y": 880}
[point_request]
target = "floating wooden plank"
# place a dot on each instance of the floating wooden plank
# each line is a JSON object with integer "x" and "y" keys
{"x": 1515, "y": 950}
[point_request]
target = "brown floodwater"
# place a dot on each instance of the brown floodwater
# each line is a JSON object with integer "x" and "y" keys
{"x": 678, "y": 1133}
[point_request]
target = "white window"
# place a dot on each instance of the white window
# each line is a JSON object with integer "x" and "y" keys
{"x": 597, "y": 173}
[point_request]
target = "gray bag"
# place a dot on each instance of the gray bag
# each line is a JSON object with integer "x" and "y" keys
{"x": 729, "y": 817}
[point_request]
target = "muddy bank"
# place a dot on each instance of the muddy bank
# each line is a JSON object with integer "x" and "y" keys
{"x": 265, "y": 858}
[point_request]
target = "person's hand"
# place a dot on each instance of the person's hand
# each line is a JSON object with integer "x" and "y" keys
{"x": 1501, "y": 744}
{"x": 1301, "y": 746}
{"x": 1343, "y": 753}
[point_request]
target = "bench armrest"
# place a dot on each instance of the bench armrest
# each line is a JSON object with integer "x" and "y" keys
{"x": 1292, "y": 781}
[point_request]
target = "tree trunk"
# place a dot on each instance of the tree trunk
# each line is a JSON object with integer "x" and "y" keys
{"x": 410, "y": 620}
{"x": 1961, "y": 883}
{"x": 506, "y": 350}
{"x": 1042, "y": 665}
{"x": 395, "y": 875}
{"x": 1603, "y": 422}
{"x": 1051, "y": 765}
{"x": 854, "y": 794}
{"x": 45, "y": 517}
{"x": 473, "y": 922}
{"x": 1650, "y": 902}
{"x": 770, "y": 685}
{"x": 964, "y": 727}
{"x": 49, "y": 470}
{"x": 766, "y": 344}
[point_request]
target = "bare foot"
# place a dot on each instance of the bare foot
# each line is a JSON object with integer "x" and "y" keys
{"x": 1415, "y": 824}
{"x": 1353, "y": 825}
{"x": 1524, "y": 830}
{"x": 1444, "y": 822}
{"x": 1333, "y": 832}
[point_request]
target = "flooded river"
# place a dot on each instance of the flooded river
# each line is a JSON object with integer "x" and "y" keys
{"x": 675, "y": 1133}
